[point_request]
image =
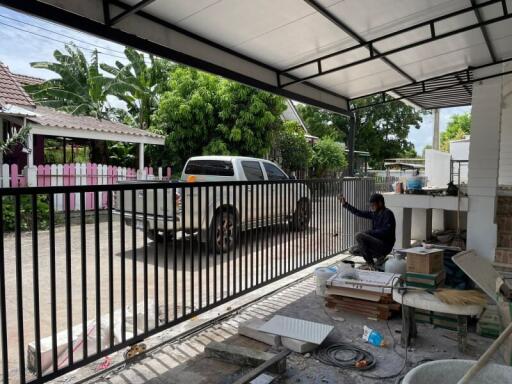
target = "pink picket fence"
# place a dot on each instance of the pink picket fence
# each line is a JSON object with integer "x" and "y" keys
{"x": 77, "y": 174}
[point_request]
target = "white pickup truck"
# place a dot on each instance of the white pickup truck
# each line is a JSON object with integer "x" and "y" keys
{"x": 221, "y": 212}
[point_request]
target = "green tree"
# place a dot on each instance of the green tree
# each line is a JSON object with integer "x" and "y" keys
{"x": 328, "y": 156}
{"x": 202, "y": 114}
{"x": 294, "y": 149}
{"x": 139, "y": 84}
{"x": 79, "y": 89}
{"x": 458, "y": 127}
{"x": 381, "y": 130}
{"x": 323, "y": 123}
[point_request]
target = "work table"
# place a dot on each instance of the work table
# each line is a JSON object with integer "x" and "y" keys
{"x": 403, "y": 204}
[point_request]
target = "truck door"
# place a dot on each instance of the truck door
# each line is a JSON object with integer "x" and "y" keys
{"x": 253, "y": 172}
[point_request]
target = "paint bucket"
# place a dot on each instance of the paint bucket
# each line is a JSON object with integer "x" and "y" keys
{"x": 323, "y": 274}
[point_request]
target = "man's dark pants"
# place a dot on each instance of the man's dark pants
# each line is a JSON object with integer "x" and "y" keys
{"x": 370, "y": 248}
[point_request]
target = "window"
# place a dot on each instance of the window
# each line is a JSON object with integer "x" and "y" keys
{"x": 210, "y": 167}
{"x": 252, "y": 170}
{"x": 274, "y": 173}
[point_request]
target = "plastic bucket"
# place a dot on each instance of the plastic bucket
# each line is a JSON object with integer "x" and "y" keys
{"x": 323, "y": 274}
{"x": 451, "y": 371}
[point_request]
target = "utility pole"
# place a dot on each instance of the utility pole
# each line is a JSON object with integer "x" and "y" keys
{"x": 351, "y": 142}
{"x": 435, "y": 138}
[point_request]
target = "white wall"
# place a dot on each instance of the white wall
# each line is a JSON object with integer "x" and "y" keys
{"x": 484, "y": 164}
{"x": 437, "y": 168}
{"x": 505, "y": 173}
{"x": 460, "y": 151}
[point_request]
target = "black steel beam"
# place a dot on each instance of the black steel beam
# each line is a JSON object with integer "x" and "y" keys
{"x": 421, "y": 94}
{"x": 130, "y": 11}
{"x": 483, "y": 29}
{"x": 61, "y": 16}
{"x": 371, "y": 43}
{"x": 213, "y": 44}
{"x": 349, "y": 31}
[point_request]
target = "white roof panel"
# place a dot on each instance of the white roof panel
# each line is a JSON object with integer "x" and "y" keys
{"x": 255, "y": 41}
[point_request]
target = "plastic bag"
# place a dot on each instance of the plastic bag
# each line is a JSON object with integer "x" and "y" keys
{"x": 346, "y": 271}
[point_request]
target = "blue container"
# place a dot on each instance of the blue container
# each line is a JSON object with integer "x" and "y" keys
{"x": 415, "y": 183}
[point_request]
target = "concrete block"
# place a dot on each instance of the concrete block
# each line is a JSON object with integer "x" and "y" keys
{"x": 243, "y": 356}
{"x": 264, "y": 378}
{"x": 297, "y": 345}
{"x": 250, "y": 328}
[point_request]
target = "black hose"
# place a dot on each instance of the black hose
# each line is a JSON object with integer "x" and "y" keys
{"x": 346, "y": 356}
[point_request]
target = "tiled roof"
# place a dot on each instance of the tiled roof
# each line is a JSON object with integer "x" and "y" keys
{"x": 52, "y": 118}
{"x": 27, "y": 80}
{"x": 11, "y": 92}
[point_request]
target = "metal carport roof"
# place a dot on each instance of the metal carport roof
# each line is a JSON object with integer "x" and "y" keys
{"x": 322, "y": 52}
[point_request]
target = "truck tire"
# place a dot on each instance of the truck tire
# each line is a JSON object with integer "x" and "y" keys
{"x": 159, "y": 237}
{"x": 301, "y": 216}
{"x": 223, "y": 234}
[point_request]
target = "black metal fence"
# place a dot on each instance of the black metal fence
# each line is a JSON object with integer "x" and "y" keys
{"x": 78, "y": 285}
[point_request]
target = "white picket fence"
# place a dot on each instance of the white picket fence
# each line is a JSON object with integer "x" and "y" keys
{"x": 76, "y": 174}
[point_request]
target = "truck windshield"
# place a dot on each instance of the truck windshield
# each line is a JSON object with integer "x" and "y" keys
{"x": 210, "y": 167}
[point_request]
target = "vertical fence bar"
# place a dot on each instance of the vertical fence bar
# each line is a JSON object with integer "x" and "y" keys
{"x": 35, "y": 277}
{"x": 213, "y": 241}
{"x": 221, "y": 245}
{"x": 208, "y": 242}
{"x": 258, "y": 258}
{"x": 155, "y": 254}
{"x": 183, "y": 255}
{"x": 175, "y": 253}
{"x": 3, "y": 307}
{"x": 252, "y": 218}
{"x": 53, "y": 293}
{"x": 200, "y": 244}
{"x": 282, "y": 218}
{"x": 241, "y": 239}
{"x": 69, "y": 298}
{"x": 166, "y": 254}
{"x": 267, "y": 229}
{"x": 228, "y": 250}
{"x": 134, "y": 261}
{"x": 97, "y": 270}
{"x": 145, "y": 254}
{"x": 246, "y": 237}
{"x": 122, "y": 238}
{"x": 110, "y": 268}
{"x": 83, "y": 276}
{"x": 192, "y": 253}
{"x": 19, "y": 287}
{"x": 235, "y": 235}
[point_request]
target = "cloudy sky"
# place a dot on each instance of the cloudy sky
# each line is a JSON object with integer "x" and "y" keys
{"x": 26, "y": 39}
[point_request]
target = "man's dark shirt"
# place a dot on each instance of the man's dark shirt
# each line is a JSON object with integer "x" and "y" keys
{"x": 383, "y": 224}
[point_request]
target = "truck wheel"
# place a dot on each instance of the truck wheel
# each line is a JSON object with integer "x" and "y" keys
{"x": 159, "y": 237}
{"x": 223, "y": 233}
{"x": 302, "y": 215}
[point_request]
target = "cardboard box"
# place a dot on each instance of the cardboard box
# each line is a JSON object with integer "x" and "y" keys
{"x": 421, "y": 260}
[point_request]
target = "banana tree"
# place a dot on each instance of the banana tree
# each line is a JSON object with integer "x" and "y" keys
{"x": 139, "y": 84}
{"x": 79, "y": 89}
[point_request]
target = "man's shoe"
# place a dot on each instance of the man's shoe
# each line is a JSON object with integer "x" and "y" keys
{"x": 367, "y": 267}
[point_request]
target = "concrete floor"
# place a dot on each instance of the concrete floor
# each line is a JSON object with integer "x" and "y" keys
{"x": 182, "y": 362}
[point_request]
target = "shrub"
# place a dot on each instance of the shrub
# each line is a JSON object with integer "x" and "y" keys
{"x": 9, "y": 217}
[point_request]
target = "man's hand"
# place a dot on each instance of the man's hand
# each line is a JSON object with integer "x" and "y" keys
{"x": 342, "y": 199}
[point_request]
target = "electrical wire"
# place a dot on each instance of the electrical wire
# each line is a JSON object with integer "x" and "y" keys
{"x": 58, "y": 33}
{"x": 60, "y": 41}
{"x": 346, "y": 356}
